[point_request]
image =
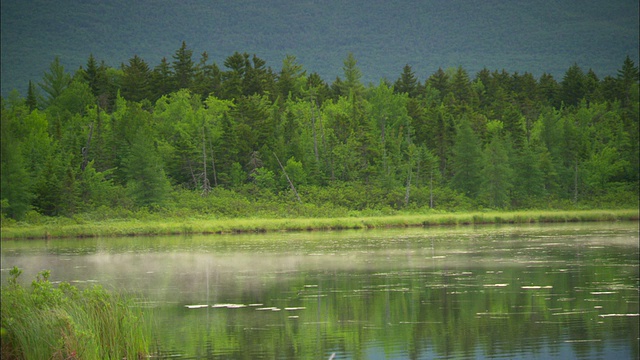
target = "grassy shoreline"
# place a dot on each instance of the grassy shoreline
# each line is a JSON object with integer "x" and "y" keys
{"x": 178, "y": 226}
{"x": 47, "y": 321}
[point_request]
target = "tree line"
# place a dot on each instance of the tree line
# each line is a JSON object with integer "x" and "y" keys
{"x": 137, "y": 137}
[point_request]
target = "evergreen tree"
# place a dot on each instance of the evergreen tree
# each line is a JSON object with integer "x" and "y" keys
{"x": 183, "y": 67}
{"x": 146, "y": 181}
{"x": 441, "y": 134}
{"x": 496, "y": 174}
{"x": 233, "y": 79}
{"x": 573, "y": 87}
{"x": 32, "y": 98}
{"x": 407, "y": 82}
{"x": 528, "y": 176}
{"x": 466, "y": 161}
{"x": 162, "y": 80}
{"x": 461, "y": 86}
{"x": 548, "y": 90}
{"x": 55, "y": 81}
{"x": 592, "y": 87}
{"x": 440, "y": 81}
{"x": 352, "y": 78}
{"x": 226, "y": 151}
{"x": 291, "y": 77}
{"x": 258, "y": 78}
{"x": 514, "y": 124}
{"x": 136, "y": 80}
{"x": 91, "y": 75}
{"x": 207, "y": 78}
{"x": 628, "y": 77}
{"x": 15, "y": 182}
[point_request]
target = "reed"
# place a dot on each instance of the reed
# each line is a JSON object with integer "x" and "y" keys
{"x": 47, "y": 322}
{"x": 204, "y": 225}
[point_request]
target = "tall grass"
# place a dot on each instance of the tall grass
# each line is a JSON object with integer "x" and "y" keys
{"x": 48, "y": 322}
{"x": 206, "y": 225}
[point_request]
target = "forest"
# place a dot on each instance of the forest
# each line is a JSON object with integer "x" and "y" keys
{"x": 188, "y": 137}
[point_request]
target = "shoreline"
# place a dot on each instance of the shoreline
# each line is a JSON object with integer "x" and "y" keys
{"x": 204, "y": 226}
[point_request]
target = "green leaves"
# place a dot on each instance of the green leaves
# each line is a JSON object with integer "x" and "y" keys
{"x": 499, "y": 140}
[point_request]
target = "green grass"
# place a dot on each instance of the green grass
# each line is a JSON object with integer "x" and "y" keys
{"x": 203, "y": 225}
{"x": 47, "y": 322}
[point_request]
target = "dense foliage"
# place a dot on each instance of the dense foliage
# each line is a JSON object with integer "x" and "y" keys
{"x": 63, "y": 322}
{"x": 189, "y": 136}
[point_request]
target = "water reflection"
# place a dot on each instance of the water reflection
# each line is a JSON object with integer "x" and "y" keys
{"x": 565, "y": 291}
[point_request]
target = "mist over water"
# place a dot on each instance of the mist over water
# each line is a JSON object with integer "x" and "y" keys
{"x": 526, "y": 291}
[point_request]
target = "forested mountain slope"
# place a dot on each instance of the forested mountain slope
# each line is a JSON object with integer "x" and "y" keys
{"x": 533, "y": 36}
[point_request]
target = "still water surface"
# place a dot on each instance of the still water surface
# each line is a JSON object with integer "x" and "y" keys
{"x": 517, "y": 292}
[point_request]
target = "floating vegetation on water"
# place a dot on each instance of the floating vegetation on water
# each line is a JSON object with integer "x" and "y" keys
{"x": 618, "y": 315}
{"x": 196, "y": 306}
{"x": 581, "y": 341}
{"x": 572, "y": 312}
{"x": 536, "y": 287}
{"x": 228, "y": 306}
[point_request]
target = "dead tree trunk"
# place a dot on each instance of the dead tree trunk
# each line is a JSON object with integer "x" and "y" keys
{"x": 431, "y": 188}
{"x": 406, "y": 194}
{"x": 313, "y": 126}
{"x": 293, "y": 188}
{"x": 85, "y": 150}
{"x": 213, "y": 165}
{"x": 575, "y": 184}
{"x": 206, "y": 187}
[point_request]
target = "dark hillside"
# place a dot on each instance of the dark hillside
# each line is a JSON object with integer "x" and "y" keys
{"x": 534, "y": 36}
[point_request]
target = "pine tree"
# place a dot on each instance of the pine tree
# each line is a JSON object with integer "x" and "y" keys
{"x": 461, "y": 86}
{"x": 440, "y": 81}
{"x": 233, "y": 79}
{"x": 183, "y": 68}
{"x": 496, "y": 174}
{"x": 573, "y": 87}
{"x": 55, "y": 81}
{"x": 548, "y": 90}
{"x": 528, "y": 176}
{"x": 407, "y": 82}
{"x": 352, "y": 76}
{"x": 32, "y": 98}
{"x": 15, "y": 182}
{"x": 162, "y": 80}
{"x": 289, "y": 78}
{"x": 91, "y": 75}
{"x": 207, "y": 78}
{"x": 467, "y": 161}
{"x": 136, "y": 80}
{"x": 628, "y": 78}
{"x": 146, "y": 181}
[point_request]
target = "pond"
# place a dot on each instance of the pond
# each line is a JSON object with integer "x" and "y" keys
{"x": 518, "y": 291}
